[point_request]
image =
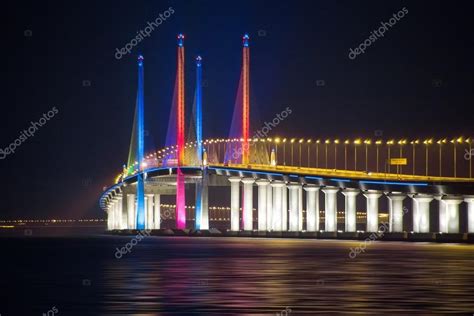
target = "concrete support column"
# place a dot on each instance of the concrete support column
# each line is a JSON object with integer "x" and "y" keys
{"x": 451, "y": 205}
{"x": 131, "y": 223}
{"x": 247, "y": 210}
{"x": 330, "y": 208}
{"x": 119, "y": 212}
{"x": 312, "y": 207}
{"x": 149, "y": 212}
{"x": 205, "y": 201}
{"x": 234, "y": 203}
{"x": 110, "y": 217}
{"x": 300, "y": 208}
{"x": 284, "y": 208}
{"x": 157, "y": 212}
{"x": 269, "y": 208}
{"x": 372, "y": 210}
{"x": 443, "y": 223}
{"x": 113, "y": 213}
{"x": 294, "y": 207}
{"x": 145, "y": 209}
{"x": 262, "y": 204}
{"x": 395, "y": 207}
{"x": 470, "y": 213}
{"x": 350, "y": 209}
{"x": 202, "y": 202}
{"x": 278, "y": 187}
{"x": 421, "y": 213}
{"x": 124, "y": 206}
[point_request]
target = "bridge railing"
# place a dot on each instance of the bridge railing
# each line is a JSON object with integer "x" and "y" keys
{"x": 428, "y": 158}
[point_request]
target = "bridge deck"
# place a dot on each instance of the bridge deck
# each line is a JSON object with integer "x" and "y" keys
{"x": 337, "y": 173}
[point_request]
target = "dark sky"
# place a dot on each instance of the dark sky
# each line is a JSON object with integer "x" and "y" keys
{"x": 415, "y": 81}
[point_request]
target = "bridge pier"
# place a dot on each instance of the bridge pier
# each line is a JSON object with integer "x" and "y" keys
{"x": 149, "y": 211}
{"x": 269, "y": 207}
{"x": 110, "y": 217}
{"x": 119, "y": 211}
{"x": 395, "y": 209}
{"x": 247, "y": 210}
{"x": 234, "y": 203}
{"x": 421, "y": 213}
{"x": 278, "y": 187}
{"x": 294, "y": 206}
{"x": 312, "y": 207}
{"x": 330, "y": 206}
{"x": 300, "y": 208}
{"x": 450, "y": 222}
{"x": 470, "y": 213}
{"x": 262, "y": 204}
{"x": 157, "y": 211}
{"x": 443, "y": 223}
{"x": 113, "y": 214}
{"x": 350, "y": 210}
{"x": 202, "y": 203}
{"x": 131, "y": 211}
{"x": 372, "y": 210}
{"x": 284, "y": 208}
{"x": 205, "y": 201}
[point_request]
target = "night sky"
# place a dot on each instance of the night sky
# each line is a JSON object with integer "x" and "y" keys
{"x": 416, "y": 81}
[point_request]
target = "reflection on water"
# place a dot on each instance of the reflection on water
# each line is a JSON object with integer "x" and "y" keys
{"x": 224, "y": 276}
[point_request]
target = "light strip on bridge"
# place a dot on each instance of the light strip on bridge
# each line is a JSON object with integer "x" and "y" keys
{"x": 341, "y": 180}
{"x": 248, "y": 171}
{"x": 314, "y": 178}
{"x": 394, "y": 183}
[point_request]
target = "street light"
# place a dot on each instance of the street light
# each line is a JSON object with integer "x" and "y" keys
{"x": 346, "y": 142}
{"x": 292, "y": 142}
{"x": 389, "y": 143}
{"x": 277, "y": 141}
{"x": 284, "y": 151}
{"x": 414, "y": 143}
{"x": 469, "y": 141}
{"x": 427, "y": 142}
{"x": 326, "y": 151}
{"x": 336, "y": 141}
{"x": 356, "y": 142}
{"x": 300, "y": 142}
{"x": 377, "y": 144}
{"x": 309, "y": 147}
{"x": 454, "y": 142}
{"x": 317, "y": 153}
{"x": 367, "y": 142}
{"x": 401, "y": 142}
{"x": 440, "y": 143}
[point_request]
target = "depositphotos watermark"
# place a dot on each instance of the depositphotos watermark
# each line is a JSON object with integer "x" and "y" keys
{"x": 287, "y": 311}
{"x": 53, "y": 311}
{"x": 143, "y": 33}
{"x": 263, "y": 132}
{"x": 468, "y": 154}
{"x": 128, "y": 246}
{"x": 373, "y": 236}
{"x": 26, "y": 133}
{"x": 375, "y": 35}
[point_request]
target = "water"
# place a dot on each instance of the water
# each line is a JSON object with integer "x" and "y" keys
{"x": 232, "y": 276}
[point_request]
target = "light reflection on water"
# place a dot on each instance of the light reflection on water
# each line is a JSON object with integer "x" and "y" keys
{"x": 267, "y": 275}
{"x": 234, "y": 276}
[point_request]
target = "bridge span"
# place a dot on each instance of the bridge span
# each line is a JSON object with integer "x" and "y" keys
{"x": 287, "y": 199}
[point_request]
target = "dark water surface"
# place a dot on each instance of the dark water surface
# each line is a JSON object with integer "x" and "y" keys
{"x": 232, "y": 276}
